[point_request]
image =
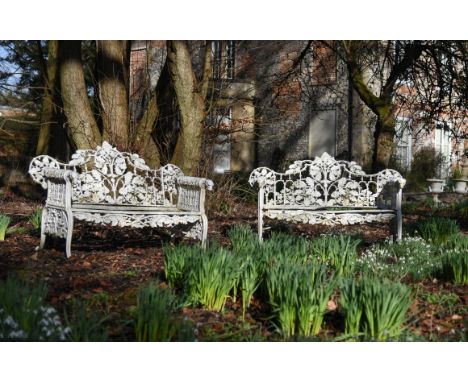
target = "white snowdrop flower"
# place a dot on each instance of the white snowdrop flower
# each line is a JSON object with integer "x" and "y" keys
{"x": 10, "y": 322}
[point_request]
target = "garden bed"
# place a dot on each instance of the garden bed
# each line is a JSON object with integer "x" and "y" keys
{"x": 109, "y": 266}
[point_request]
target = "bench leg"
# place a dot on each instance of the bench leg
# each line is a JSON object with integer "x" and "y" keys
{"x": 397, "y": 227}
{"x": 204, "y": 222}
{"x": 260, "y": 226}
{"x": 69, "y": 233}
{"x": 43, "y": 235}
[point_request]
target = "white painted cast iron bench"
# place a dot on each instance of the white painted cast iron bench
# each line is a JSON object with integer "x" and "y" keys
{"x": 106, "y": 186}
{"x": 329, "y": 191}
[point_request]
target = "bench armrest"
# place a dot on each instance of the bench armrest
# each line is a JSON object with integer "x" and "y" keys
{"x": 59, "y": 186}
{"x": 191, "y": 193}
{"x": 42, "y": 163}
{"x": 391, "y": 194}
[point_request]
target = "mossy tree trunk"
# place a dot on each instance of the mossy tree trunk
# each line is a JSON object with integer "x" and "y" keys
{"x": 381, "y": 104}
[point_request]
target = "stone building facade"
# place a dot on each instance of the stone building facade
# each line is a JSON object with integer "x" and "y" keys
{"x": 272, "y": 103}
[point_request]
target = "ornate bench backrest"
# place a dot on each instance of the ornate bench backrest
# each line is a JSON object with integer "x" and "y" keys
{"x": 108, "y": 176}
{"x": 322, "y": 182}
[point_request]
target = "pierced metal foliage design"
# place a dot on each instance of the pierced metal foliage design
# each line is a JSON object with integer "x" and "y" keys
{"x": 322, "y": 182}
{"x": 328, "y": 218}
{"x": 98, "y": 180}
{"x": 56, "y": 222}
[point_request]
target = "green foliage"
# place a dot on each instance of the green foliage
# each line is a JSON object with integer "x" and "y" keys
{"x": 85, "y": 324}
{"x": 352, "y": 306}
{"x": 426, "y": 164}
{"x": 243, "y": 240}
{"x": 246, "y": 248}
{"x": 375, "y": 308}
{"x": 155, "y": 319}
{"x": 35, "y": 218}
{"x": 412, "y": 256}
{"x": 457, "y": 173}
{"x": 455, "y": 266}
{"x": 282, "y": 248}
{"x": 249, "y": 281}
{"x": 446, "y": 300}
{"x": 338, "y": 251}
{"x": 177, "y": 262}
{"x": 437, "y": 230}
{"x": 25, "y": 317}
{"x": 4, "y": 223}
{"x": 213, "y": 275}
{"x": 299, "y": 295}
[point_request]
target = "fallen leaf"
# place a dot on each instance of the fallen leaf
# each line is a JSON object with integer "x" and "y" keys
{"x": 331, "y": 305}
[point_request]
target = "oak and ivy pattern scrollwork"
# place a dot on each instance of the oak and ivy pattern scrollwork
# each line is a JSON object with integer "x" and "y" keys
{"x": 56, "y": 222}
{"x": 322, "y": 182}
{"x": 327, "y": 218}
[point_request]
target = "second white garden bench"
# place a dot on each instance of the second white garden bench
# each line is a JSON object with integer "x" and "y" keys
{"x": 329, "y": 191}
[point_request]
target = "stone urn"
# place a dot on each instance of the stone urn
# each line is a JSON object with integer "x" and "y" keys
{"x": 460, "y": 186}
{"x": 436, "y": 185}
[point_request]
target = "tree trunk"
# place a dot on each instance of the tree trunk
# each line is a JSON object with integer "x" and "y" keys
{"x": 81, "y": 122}
{"x": 144, "y": 143}
{"x": 48, "y": 105}
{"x": 383, "y": 145}
{"x": 191, "y": 101}
{"x": 113, "y": 63}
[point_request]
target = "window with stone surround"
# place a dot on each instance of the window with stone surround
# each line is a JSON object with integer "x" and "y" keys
{"x": 443, "y": 145}
{"x": 403, "y": 142}
{"x": 223, "y": 59}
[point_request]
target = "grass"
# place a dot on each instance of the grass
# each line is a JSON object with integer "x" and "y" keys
{"x": 86, "y": 325}
{"x": 177, "y": 262}
{"x": 24, "y": 315}
{"x": 299, "y": 295}
{"x": 155, "y": 320}
{"x": 246, "y": 247}
{"x": 337, "y": 251}
{"x": 4, "y": 223}
{"x": 375, "y": 308}
{"x": 437, "y": 230}
{"x": 35, "y": 219}
{"x": 455, "y": 266}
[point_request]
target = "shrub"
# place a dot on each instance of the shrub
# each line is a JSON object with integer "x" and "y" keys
{"x": 155, "y": 319}
{"x": 25, "y": 317}
{"x": 213, "y": 275}
{"x": 426, "y": 164}
{"x": 35, "y": 218}
{"x": 412, "y": 256}
{"x": 4, "y": 223}
{"x": 437, "y": 230}
{"x": 299, "y": 295}
{"x": 338, "y": 251}
{"x": 377, "y": 308}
